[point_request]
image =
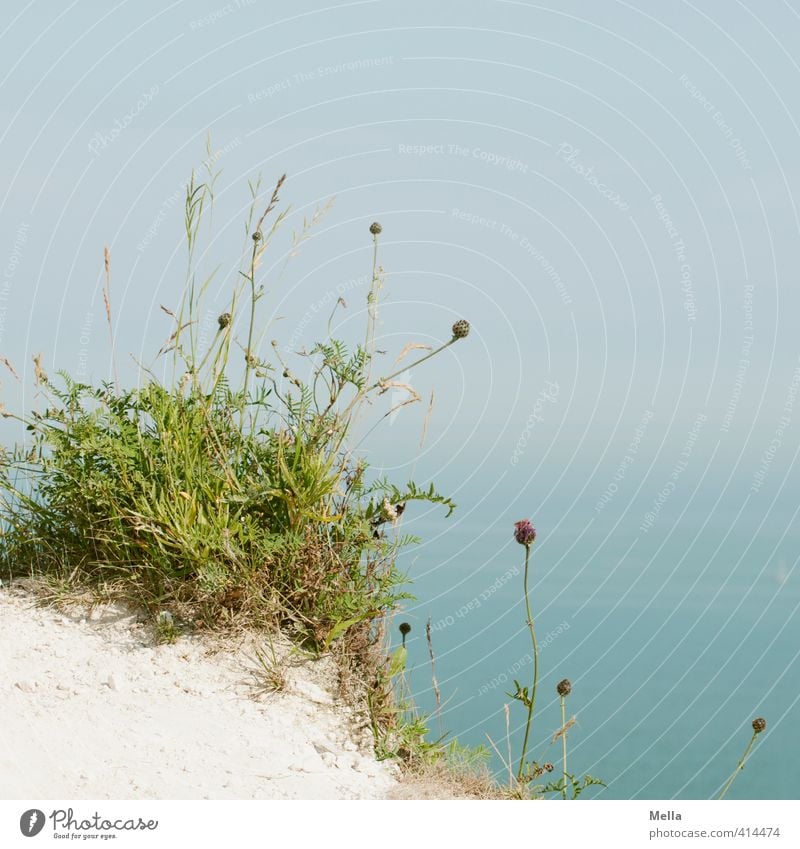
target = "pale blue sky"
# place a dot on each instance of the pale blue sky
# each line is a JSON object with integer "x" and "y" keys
{"x": 594, "y": 185}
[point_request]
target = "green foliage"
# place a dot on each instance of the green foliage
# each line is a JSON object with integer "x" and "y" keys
{"x": 573, "y": 786}
{"x": 193, "y": 496}
{"x": 521, "y": 694}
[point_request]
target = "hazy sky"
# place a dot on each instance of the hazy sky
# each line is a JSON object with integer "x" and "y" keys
{"x": 604, "y": 189}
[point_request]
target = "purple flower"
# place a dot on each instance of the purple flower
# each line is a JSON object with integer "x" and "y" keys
{"x": 524, "y": 532}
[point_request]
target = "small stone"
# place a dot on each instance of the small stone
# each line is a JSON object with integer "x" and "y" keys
{"x": 62, "y": 687}
{"x": 312, "y": 692}
{"x": 114, "y": 682}
{"x": 370, "y": 768}
{"x": 346, "y": 761}
{"x": 26, "y": 686}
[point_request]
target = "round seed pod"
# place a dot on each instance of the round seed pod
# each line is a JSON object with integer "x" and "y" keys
{"x": 461, "y": 329}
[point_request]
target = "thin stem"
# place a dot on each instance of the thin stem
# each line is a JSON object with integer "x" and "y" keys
{"x": 249, "y": 351}
{"x": 564, "y": 742}
{"x": 532, "y": 702}
{"x": 372, "y": 297}
{"x": 414, "y": 364}
{"x": 739, "y": 767}
{"x": 351, "y": 411}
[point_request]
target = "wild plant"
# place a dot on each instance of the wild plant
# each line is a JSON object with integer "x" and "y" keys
{"x": 759, "y": 724}
{"x": 521, "y": 784}
{"x": 230, "y": 490}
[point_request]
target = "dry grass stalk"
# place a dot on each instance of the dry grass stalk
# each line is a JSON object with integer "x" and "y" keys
{"x": 564, "y": 728}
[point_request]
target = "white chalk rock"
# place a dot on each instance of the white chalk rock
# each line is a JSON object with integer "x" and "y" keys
{"x": 114, "y": 682}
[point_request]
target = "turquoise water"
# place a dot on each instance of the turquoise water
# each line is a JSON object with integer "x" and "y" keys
{"x": 673, "y": 644}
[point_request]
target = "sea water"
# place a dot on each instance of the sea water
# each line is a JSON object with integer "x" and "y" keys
{"x": 673, "y": 644}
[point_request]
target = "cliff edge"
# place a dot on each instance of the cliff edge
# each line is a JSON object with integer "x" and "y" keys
{"x": 93, "y": 708}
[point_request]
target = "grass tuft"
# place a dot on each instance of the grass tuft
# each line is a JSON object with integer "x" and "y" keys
{"x": 228, "y": 493}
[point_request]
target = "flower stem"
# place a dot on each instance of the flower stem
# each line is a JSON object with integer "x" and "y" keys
{"x": 532, "y": 701}
{"x": 414, "y": 364}
{"x": 249, "y": 351}
{"x": 739, "y": 767}
{"x": 564, "y": 741}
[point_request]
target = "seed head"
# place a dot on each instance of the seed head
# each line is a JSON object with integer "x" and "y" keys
{"x": 524, "y": 532}
{"x": 224, "y": 320}
{"x": 759, "y": 724}
{"x": 405, "y": 628}
{"x": 461, "y": 329}
{"x": 375, "y": 228}
{"x": 564, "y": 688}
{"x": 257, "y": 237}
